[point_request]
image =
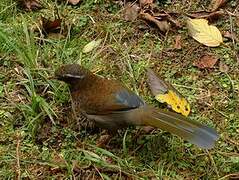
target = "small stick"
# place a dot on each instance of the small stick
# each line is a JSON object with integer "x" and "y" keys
{"x": 236, "y": 175}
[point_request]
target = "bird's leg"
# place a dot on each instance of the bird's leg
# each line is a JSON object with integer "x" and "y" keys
{"x": 83, "y": 123}
{"x": 74, "y": 113}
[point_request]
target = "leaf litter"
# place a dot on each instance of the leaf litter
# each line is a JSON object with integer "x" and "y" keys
{"x": 52, "y": 28}
{"x": 204, "y": 33}
{"x": 216, "y": 4}
{"x": 131, "y": 12}
{"x": 30, "y": 5}
{"x": 178, "y": 42}
{"x": 91, "y": 45}
{"x": 206, "y": 61}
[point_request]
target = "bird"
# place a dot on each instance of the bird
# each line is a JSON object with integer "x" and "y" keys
{"x": 112, "y": 106}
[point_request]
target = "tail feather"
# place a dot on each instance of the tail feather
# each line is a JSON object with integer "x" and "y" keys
{"x": 192, "y": 131}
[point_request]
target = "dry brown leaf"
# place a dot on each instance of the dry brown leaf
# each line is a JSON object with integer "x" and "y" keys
{"x": 49, "y": 26}
{"x": 30, "y": 5}
{"x": 169, "y": 16}
{"x": 231, "y": 36}
{"x": 223, "y": 67}
{"x": 162, "y": 25}
{"x": 131, "y": 12}
{"x": 216, "y": 4}
{"x": 73, "y": 2}
{"x": 206, "y": 61}
{"x": 145, "y": 2}
{"x": 211, "y": 16}
{"x": 178, "y": 43}
{"x": 52, "y": 29}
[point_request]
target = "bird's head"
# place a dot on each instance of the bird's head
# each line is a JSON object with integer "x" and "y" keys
{"x": 71, "y": 73}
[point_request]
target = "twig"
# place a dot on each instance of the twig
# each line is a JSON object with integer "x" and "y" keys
{"x": 232, "y": 141}
{"x": 99, "y": 172}
{"x": 18, "y": 157}
{"x": 236, "y": 175}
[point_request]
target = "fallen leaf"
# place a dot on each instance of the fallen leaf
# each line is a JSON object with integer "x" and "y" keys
{"x": 223, "y": 67}
{"x": 131, "y": 12}
{"x": 177, "y": 44}
{"x": 91, "y": 45}
{"x": 49, "y": 26}
{"x": 162, "y": 25}
{"x": 145, "y": 2}
{"x": 164, "y": 92}
{"x": 163, "y": 15}
{"x": 216, "y": 4}
{"x": 30, "y": 5}
{"x": 206, "y": 61}
{"x": 206, "y": 34}
{"x": 73, "y": 2}
{"x": 231, "y": 36}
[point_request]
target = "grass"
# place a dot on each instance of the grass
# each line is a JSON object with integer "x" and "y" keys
{"x": 39, "y": 138}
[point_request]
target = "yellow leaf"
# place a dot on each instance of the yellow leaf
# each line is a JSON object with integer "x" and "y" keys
{"x": 91, "y": 45}
{"x": 177, "y": 103}
{"x": 166, "y": 93}
{"x": 206, "y": 34}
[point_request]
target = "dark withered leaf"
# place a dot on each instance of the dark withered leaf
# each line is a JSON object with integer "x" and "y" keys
{"x": 163, "y": 25}
{"x": 49, "y": 26}
{"x": 230, "y": 35}
{"x": 30, "y": 5}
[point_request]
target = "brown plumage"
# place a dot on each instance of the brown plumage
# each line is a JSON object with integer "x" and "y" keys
{"x": 112, "y": 106}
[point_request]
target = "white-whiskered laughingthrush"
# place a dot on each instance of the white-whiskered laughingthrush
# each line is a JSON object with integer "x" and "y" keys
{"x": 112, "y": 106}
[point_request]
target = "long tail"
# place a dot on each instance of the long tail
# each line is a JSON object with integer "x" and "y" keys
{"x": 192, "y": 131}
